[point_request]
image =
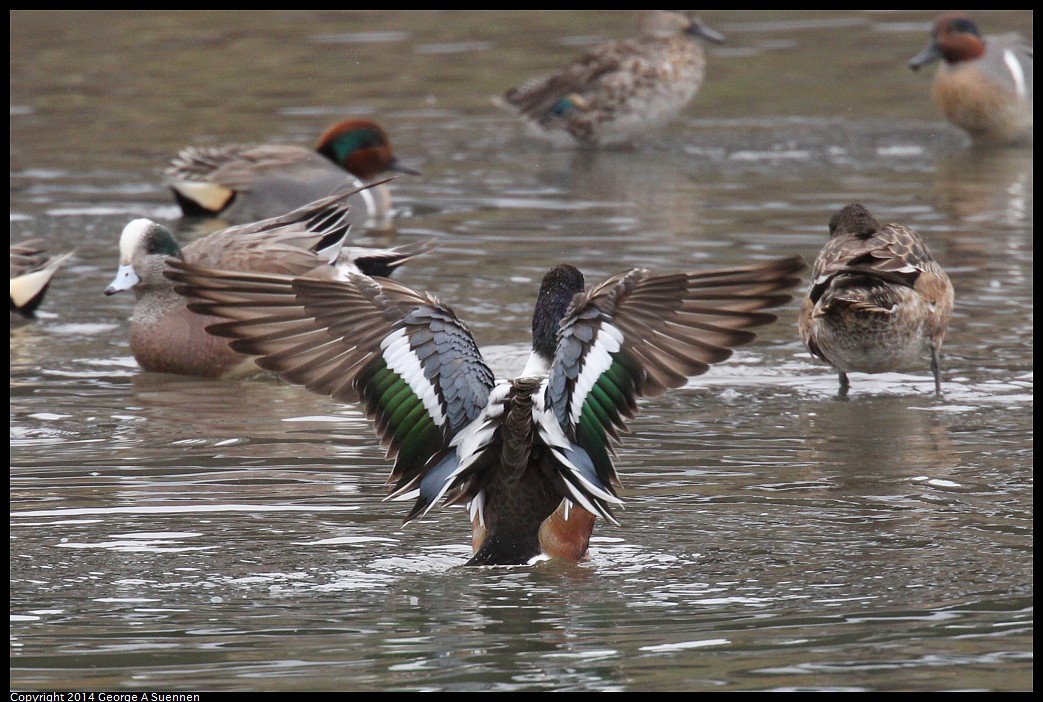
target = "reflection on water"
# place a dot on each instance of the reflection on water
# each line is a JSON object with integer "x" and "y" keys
{"x": 179, "y": 533}
{"x": 989, "y": 187}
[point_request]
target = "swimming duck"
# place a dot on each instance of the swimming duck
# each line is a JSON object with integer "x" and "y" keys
{"x": 878, "y": 300}
{"x": 245, "y": 183}
{"x": 166, "y": 337}
{"x": 532, "y": 456}
{"x": 621, "y": 89}
{"x": 32, "y": 269}
{"x": 984, "y": 85}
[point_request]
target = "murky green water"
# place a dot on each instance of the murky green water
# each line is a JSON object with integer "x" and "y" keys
{"x": 182, "y": 534}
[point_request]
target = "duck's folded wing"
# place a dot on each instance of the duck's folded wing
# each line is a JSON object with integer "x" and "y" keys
{"x": 897, "y": 252}
{"x": 27, "y": 256}
{"x": 893, "y": 253}
{"x": 234, "y": 166}
{"x": 206, "y": 179}
{"x": 565, "y": 89}
{"x": 31, "y": 271}
{"x": 639, "y": 334}
{"x": 405, "y": 356}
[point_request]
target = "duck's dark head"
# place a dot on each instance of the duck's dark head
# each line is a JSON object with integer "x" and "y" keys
{"x": 559, "y": 286}
{"x": 853, "y": 220}
{"x": 954, "y": 37}
{"x": 361, "y": 147}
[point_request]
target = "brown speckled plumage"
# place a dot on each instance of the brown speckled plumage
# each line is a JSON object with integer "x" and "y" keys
{"x": 622, "y": 89}
{"x": 878, "y": 300}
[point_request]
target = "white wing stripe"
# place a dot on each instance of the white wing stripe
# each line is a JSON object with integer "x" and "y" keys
{"x": 400, "y": 358}
{"x": 597, "y": 360}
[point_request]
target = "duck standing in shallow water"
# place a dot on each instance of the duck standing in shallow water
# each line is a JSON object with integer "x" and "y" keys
{"x": 243, "y": 183}
{"x": 166, "y": 337}
{"x": 32, "y": 269}
{"x": 622, "y": 89}
{"x": 532, "y": 455}
{"x": 878, "y": 299}
{"x": 984, "y": 84}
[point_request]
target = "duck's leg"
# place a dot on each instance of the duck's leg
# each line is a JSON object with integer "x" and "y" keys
{"x": 936, "y": 369}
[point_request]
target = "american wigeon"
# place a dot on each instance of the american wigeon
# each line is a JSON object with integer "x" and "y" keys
{"x": 165, "y": 336}
{"x": 32, "y": 269}
{"x": 984, "y": 84}
{"x": 878, "y": 300}
{"x": 249, "y": 182}
{"x": 622, "y": 89}
{"x": 532, "y": 456}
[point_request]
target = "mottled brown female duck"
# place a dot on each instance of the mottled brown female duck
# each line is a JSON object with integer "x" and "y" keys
{"x": 878, "y": 300}
{"x": 621, "y": 89}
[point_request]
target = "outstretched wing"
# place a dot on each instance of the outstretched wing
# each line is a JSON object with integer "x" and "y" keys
{"x": 405, "y": 356}
{"x": 639, "y": 334}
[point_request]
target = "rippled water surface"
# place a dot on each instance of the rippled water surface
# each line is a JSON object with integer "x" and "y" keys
{"x": 172, "y": 533}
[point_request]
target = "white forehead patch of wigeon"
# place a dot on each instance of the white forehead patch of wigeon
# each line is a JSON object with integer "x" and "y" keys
{"x": 132, "y": 237}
